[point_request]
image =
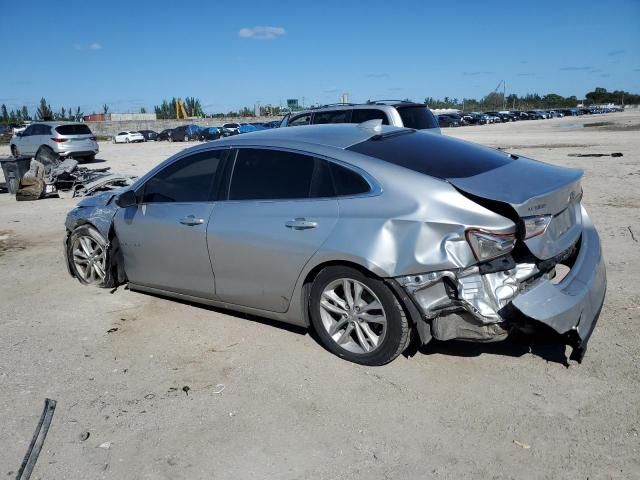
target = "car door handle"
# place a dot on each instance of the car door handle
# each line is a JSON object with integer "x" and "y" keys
{"x": 300, "y": 224}
{"x": 191, "y": 220}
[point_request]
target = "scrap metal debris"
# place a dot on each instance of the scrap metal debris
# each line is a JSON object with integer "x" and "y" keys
{"x": 633, "y": 236}
{"x": 522, "y": 445}
{"x": 39, "y": 436}
{"x": 111, "y": 330}
{"x": 84, "y": 436}
{"x": 49, "y": 174}
{"x": 614, "y": 154}
{"x": 186, "y": 389}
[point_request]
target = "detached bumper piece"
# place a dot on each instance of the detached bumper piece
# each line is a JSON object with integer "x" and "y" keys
{"x": 571, "y": 307}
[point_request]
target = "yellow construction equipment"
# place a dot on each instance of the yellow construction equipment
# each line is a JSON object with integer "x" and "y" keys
{"x": 180, "y": 110}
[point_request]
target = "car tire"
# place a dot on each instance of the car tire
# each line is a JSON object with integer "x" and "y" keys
{"x": 126, "y": 140}
{"x": 357, "y": 317}
{"x": 186, "y": 138}
{"x": 170, "y": 138}
{"x": 89, "y": 258}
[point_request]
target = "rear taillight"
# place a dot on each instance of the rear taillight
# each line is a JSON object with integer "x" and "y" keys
{"x": 93, "y": 138}
{"x": 487, "y": 245}
{"x": 59, "y": 140}
{"x": 534, "y": 226}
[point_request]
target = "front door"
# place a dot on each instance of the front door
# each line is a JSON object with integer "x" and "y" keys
{"x": 278, "y": 214}
{"x": 163, "y": 238}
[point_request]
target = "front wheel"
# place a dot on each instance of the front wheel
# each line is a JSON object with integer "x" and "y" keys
{"x": 357, "y": 317}
{"x": 88, "y": 254}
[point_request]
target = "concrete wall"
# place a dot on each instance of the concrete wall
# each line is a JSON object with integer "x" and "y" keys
{"x": 110, "y": 128}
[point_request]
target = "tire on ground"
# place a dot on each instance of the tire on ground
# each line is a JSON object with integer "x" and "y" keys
{"x": 398, "y": 332}
{"x": 109, "y": 280}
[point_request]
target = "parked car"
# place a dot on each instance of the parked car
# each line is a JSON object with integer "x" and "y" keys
{"x": 400, "y": 113}
{"x": 535, "y": 115}
{"x": 229, "y": 129}
{"x": 163, "y": 135}
{"x": 128, "y": 137}
{"x": 210, "y": 133}
{"x": 66, "y": 139}
{"x": 475, "y": 118}
{"x": 184, "y": 133}
{"x": 364, "y": 233}
{"x": 447, "y": 121}
{"x": 149, "y": 135}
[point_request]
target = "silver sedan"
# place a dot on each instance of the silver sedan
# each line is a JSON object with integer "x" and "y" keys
{"x": 365, "y": 233}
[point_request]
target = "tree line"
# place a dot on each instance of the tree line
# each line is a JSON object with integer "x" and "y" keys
{"x": 531, "y": 101}
{"x": 43, "y": 112}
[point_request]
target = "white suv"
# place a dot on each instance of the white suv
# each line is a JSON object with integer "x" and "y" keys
{"x": 400, "y": 113}
{"x": 66, "y": 139}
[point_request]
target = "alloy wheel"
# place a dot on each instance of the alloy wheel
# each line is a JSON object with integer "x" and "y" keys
{"x": 353, "y": 315}
{"x": 89, "y": 259}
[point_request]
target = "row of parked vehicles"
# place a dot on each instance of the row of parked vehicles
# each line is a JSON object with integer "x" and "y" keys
{"x": 455, "y": 119}
{"x": 187, "y": 133}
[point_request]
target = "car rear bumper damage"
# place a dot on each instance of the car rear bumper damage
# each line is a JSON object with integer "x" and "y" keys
{"x": 485, "y": 303}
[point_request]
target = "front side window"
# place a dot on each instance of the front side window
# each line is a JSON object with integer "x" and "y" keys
{"x": 336, "y": 116}
{"x": 366, "y": 114}
{"x": 300, "y": 120}
{"x": 190, "y": 179}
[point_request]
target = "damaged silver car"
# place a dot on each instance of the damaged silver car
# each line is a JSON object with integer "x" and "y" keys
{"x": 370, "y": 234}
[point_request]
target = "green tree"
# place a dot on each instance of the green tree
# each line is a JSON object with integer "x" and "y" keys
{"x": 44, "y": 111}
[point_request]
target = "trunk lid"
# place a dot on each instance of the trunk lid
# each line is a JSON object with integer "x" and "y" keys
{"x": 534, "y": 188}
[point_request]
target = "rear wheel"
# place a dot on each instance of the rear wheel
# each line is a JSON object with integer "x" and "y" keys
{"x": 357, "y": 317}
{"x": 170, "y": 138}
{"x": 87, "y": 251}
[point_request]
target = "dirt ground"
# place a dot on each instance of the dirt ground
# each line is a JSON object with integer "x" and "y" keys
{"x": 289, "y": 409}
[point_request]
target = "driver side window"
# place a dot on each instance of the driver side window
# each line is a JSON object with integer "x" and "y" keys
{"x": 188, "y": 180}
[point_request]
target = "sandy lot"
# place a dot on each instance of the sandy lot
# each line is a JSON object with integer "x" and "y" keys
{"x": 290, "y": 410}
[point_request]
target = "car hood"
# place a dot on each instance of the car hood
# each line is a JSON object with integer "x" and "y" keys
{"x": 101, "y": 199}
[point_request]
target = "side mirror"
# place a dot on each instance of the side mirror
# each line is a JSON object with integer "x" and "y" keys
{"x": 127, "y": 199}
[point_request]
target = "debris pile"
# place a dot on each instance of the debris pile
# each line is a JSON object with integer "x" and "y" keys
{"x": 50, "y": 174}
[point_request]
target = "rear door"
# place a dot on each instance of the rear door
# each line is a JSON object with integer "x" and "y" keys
{"x": 163, "y": 238}
{"x": 279, "y": 212}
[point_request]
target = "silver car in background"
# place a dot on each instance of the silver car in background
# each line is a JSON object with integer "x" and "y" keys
{"x": 66, "y": 139}
{"x": 366, "y": 233}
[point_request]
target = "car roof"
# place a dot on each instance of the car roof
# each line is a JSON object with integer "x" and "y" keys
{"x": 336, "y": 135}
{"x": 57, "y": 124}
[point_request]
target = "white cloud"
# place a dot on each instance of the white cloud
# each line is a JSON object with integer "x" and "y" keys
{"x": 261, "y": 33}
{"x": 91, "y": 46}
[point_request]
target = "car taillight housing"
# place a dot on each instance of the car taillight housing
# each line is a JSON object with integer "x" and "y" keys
{"x": 536, "y": 225}
{"x": 93, "y": 138}
{"x": 488, "y": 245}
{"x": 59, "y": 140}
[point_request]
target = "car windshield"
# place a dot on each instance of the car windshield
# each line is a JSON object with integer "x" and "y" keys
{"x": 73, "y": 130}
{"x": 417, "y": 117}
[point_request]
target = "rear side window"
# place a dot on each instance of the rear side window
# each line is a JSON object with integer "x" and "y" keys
{"x": 365, "y": 114}
{"x": 78, "y": 129}
{"x": 348, "y": 182}
{"x": 41, "y": 130}
{"x": 271, "y": 174}
{"x": 336, "y": 116}
{"x": 187, "y": 180}
{"x": 417, "y": 117}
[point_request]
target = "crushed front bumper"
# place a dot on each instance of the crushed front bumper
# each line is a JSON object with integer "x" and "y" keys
{"x": 571, "y": 307}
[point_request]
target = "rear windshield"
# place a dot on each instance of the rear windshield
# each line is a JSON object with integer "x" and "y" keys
{"x": 433, "y": 155}
{"x": 73, "y": 130}
{"x": 417, "y": 117}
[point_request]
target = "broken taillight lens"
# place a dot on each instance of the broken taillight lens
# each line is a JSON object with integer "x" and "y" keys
{"x": 487, "y": 245}
{"x": 537, "y": 225}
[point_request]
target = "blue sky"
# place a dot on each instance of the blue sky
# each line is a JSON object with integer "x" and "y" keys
{"x": 134, "y": 54}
